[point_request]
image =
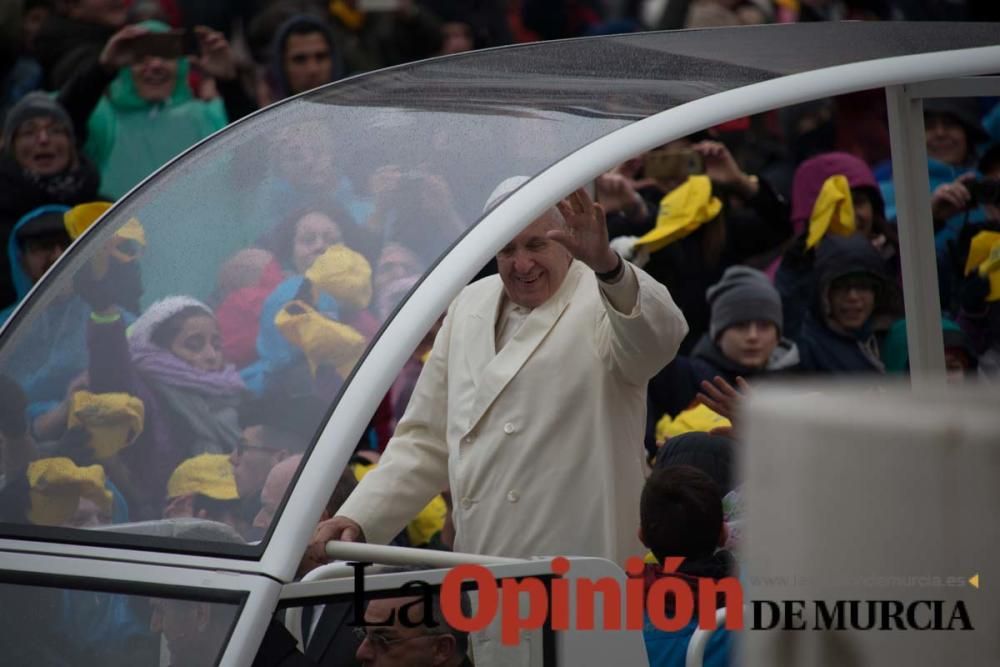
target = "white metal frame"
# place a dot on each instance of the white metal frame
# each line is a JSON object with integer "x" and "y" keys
{"x": 916, "y": 236}
{"x": 373, "y": 378}
{"x": 333, "y": 578}
{"x": 699, "y": 641}
{"x": 262, "y": 593}
{"x": 359, "y": 552}
{"x": 431, "y": 298}
{"x": 573, "y": 647}
{"x": 913, "y": 206}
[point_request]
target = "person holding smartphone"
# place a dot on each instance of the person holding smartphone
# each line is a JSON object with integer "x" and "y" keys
{"x": 135, "y": 107}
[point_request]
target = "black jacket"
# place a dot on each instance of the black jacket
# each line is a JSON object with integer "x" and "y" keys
{"x": 674, "y": 388}
{"x": 64, "y": 47}
{"x": 824, "y": 347}
{"x": 760, "y": 226}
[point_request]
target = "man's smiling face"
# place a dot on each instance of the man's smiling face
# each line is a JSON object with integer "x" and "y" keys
{"x": 532, "y": 266}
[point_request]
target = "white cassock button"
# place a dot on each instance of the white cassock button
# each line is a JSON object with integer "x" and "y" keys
{"x": 513, "y": 496}
{"x": 466, "y": 503}
{"x": 508, "y": 428}
{"x": 469, "y": 439}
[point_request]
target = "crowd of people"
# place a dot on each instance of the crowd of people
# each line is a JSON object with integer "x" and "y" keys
{"x": 764, "y": 248}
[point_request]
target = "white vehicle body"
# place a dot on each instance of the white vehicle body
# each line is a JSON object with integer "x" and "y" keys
{"x": 554, "y": 101}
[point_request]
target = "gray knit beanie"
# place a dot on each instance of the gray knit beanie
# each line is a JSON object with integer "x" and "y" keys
{"x": 743, "y": 295}
{"x": 33, "y": 105}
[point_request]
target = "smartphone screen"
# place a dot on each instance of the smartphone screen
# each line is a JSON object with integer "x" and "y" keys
{"x": 169, "y": 45}
{"x": 379, "y": 5}
{"x": 666, "y": 165}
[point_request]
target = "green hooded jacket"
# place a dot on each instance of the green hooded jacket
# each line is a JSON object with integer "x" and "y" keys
{"x": 129, "y": 138}
{"x": 896, "y": 354}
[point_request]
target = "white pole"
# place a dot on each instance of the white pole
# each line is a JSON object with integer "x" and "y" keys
{"x": 916, "y": 237}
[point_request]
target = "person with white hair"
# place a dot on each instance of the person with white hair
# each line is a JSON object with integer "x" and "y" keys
{"x": 531, "y": 405}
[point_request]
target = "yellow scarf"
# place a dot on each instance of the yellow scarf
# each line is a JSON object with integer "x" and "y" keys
{"x": 984, "y": 257}
{"x": 57, "y": 484}
{"x": 323, "y": 341}
{"x": 682, "y": 211}
{"x": 833, "y": 211}
{"x": 112, "y": 420}
{"x": 343, "y": 274}
{"x": 353, "y": 19}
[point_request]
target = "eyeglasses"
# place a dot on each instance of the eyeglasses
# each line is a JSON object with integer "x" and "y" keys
{"x": 380, "y": 642}
{"x": 856, "y": 282}
{"x": 31, "y": 130}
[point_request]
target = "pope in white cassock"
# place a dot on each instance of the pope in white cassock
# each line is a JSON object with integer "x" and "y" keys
{"x": 531, "y": 407}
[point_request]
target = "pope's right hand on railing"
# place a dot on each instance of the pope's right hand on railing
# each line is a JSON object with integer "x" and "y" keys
{"x": 338, "y": 528}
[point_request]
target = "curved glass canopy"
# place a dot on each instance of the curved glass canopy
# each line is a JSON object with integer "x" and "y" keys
{"x": 222, "y": 305}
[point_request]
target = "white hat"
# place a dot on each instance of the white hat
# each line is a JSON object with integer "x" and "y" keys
{"x": 500, "y": 192}
{"x": 141, "y": 331}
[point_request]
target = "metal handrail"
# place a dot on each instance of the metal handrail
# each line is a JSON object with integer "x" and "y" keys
{"x": 386, "y": 555}
{"x": 381, "y": 555}
{"x": 699, "y": 641}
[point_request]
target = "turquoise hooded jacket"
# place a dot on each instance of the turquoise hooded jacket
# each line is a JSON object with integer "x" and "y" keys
{"x": 22, "y": 282}
{"x": 129, "y": 138}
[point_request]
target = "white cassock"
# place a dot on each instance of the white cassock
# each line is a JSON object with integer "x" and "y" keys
{"x": 541, "y": 442}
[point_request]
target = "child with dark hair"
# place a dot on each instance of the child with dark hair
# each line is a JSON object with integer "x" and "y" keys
{"x": 854, "y": 304}
{"x": 744, "y": 339}
{"x": 680, "y": 515}
{"x": 833, "y": 194}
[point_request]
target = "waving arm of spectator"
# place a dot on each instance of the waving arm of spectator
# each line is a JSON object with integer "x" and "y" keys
{"x": 763, "y": 223}
{"x": 218, "y": 61}
{"x": 82, "y": 92}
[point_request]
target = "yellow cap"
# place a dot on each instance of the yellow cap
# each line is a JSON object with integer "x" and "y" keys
{"x": 682, "y": 211}
{"x": 833, "y": 211}
{"x": 323, "y": 341}
{"x": 57, "y": 484}
{"x": 79, "y": 218}
{"x": 208, "y": 474}
{"x": 698, "y": 418}
{"x": 113, "y": 420}
{"x": 343, "y": 274}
